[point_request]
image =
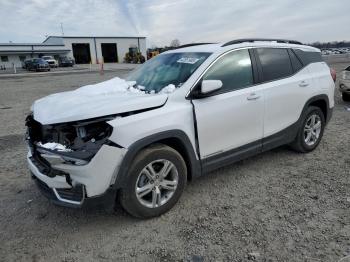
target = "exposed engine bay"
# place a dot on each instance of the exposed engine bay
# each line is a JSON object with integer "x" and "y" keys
{"x": 82, "y": 138}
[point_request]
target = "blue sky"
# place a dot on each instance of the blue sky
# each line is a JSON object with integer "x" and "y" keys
{"x": 187, "y": 20}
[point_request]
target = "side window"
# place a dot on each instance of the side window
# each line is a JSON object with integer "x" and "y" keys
{"x": 233, "y": 69}
{"x": 297, "y": 65}
{"x": 4, "y": 58}
{"x": 275, "y": 63}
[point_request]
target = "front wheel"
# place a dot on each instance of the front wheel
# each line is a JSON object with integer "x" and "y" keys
{"x": 311, "y": 130}
{"x": 155, "y": 182}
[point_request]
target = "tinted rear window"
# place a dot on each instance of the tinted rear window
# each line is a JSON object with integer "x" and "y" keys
{"x": 275, "y": 63}
{"x": 308, "y": 57}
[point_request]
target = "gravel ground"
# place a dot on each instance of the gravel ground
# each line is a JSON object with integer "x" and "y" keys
{"x": 277, "y": 206}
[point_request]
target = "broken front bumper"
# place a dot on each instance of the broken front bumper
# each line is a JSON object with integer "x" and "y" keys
{"x": 73, "y": 185}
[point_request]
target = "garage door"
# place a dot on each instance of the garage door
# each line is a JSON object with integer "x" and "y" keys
{"x": 109, "y": 52}
{"x": 81, "y": 53}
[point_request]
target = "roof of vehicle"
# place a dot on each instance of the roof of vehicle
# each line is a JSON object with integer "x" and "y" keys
{"x": 241, "y": 43}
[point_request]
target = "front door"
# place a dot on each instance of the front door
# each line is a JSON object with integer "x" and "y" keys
{"x": 232, "y": 117}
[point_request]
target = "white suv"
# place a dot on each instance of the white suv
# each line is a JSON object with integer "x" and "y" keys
{"x": 182, "y": 114}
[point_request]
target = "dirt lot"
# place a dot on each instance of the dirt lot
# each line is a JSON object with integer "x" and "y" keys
{"x": 278, "y": 206}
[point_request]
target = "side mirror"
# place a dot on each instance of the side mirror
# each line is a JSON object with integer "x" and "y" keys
{"x": 209, "y": 86}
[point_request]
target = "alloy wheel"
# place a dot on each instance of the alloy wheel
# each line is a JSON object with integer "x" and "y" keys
{"x": 156, "y": 183}
{"x": 312, "y": 129}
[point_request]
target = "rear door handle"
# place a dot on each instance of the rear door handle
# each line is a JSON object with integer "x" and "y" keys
{"x": 253, "y": 96}
{"x": 303, "y": 84}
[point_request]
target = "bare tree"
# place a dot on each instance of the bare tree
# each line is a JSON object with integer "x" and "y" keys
{"x": 175, "y": 43}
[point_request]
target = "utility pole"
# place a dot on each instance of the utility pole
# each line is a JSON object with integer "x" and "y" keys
{"x": 62, "y": 29}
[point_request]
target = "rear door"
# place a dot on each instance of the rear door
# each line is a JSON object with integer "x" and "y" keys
{"x": 287, "y": 86}
{"x": 233, "y": 116}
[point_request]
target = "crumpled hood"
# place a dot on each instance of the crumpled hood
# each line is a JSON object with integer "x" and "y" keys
{"x": 107, "y": 98}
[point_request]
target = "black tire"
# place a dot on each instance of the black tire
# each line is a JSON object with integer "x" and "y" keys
{"x": 299, "y": 143}
{"x": 346, "y": 97}
{"x": 127, "y": 195}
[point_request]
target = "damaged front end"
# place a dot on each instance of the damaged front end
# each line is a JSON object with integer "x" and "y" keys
{"x": 81, "y": 139}
{"x": 69, "y": 173}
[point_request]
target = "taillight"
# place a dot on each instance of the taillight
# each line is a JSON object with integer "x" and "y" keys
{"x": 333, "y": 74}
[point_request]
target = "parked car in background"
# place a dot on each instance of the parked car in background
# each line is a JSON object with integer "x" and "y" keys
{"x": 64, "y": 61}
{"x": 51, "y": 61}
{"x": 344, "y": 84}
{"x": 183, "y": 113}
{"x": 38, "y": 64}
{"x": 26, "y": 63}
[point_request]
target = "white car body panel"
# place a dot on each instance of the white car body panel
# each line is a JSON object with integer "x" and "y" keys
{"x": 172, "y": 116}
{"x": 105, "y": 162}
{"x": 285, "y": 99}
{"x": 324, "y": 83}
{"x": 56, "y": 182}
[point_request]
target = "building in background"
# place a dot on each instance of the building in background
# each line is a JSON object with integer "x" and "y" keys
{"x": 97, "y": 49}
{"x": 15, "y": 53}
{"x": 84, "y": 49}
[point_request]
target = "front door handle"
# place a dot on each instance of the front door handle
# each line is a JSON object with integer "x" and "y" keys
{"x": 303, "y": 84}
{"x": 253, "y": 96}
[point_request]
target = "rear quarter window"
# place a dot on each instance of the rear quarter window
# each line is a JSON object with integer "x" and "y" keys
{"x": 308, "y": 57}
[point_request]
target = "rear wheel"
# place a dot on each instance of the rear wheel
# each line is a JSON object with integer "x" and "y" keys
{"x": 346, "y": 97}
{"x": 311, "y": 130}
{"x": 156, "y": 180}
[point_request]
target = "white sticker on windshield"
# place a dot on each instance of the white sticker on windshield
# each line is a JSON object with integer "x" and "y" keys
{"x": 188, "y": 60}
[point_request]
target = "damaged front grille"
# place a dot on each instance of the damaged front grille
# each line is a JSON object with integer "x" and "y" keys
{"x": 74, "y": 135}
{"x": 81, "y": 138}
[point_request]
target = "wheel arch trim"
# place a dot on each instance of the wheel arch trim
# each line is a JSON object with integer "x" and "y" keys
{"x": 191, "y": 160}
{"x": 317, "y": 98}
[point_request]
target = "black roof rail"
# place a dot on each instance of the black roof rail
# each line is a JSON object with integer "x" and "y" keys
{"x": 193, "y": 44}
{"x": 238, "y": 41}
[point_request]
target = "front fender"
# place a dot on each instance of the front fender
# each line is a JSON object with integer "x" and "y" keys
{"x": 135, "y": 148}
